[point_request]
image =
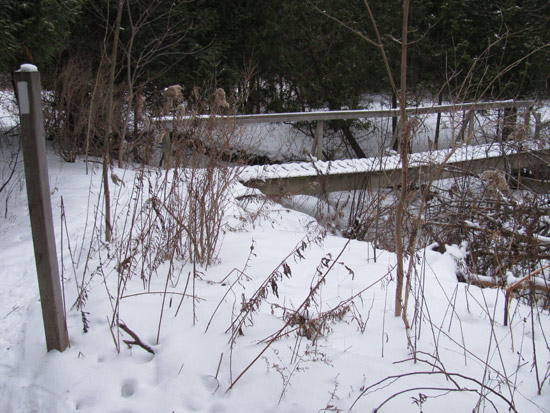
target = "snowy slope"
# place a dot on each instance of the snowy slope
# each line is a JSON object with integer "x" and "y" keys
{"x": 458, "y": 328}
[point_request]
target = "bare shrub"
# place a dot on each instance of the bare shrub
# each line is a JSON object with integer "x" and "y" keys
{"x": 505, "y": 236}
{"x": 66, "y": 117}
{"x": 178, "y": 214}
{"x": 74, "y": 110}
{"x": 10, "y": 161}
{"x": 202, "y": 147}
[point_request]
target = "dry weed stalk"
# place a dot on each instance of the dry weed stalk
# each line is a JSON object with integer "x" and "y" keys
{"x": 282, "y": 270}
{"x": 300, "y": 321}
{"x": 436, "y": 369}
{"x": 241, "y": 273}
{"x": 302, "y": 307}
{"x": 313, "y": 327}
{"x": 174, "y": 216}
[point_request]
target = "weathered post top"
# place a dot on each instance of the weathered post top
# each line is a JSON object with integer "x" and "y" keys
{"x": 26, "y": 67}
{"x": 40, "y": 210}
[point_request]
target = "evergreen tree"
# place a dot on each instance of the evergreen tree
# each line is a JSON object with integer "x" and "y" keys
{"x": 304, "y": 53}
{"x": 35, "y": 31}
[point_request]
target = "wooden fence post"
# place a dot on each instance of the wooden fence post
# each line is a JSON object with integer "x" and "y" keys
{"x": 40, "y": 210}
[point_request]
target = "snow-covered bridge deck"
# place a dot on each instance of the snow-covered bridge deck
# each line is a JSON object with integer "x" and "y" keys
{"x": 317, "y": 177}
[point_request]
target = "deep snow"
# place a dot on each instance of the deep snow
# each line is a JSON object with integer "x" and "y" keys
{"x": 294, "y": 374}
{"x": 458, "y": 328}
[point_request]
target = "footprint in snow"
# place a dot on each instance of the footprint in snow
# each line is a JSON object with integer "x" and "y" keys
{"x": 128, "y": 388}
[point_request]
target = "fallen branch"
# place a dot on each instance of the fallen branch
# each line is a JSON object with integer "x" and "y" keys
{"x": 137, "y": 340}
{"x": 515, "y": 285}
{"x": 479, "y": 280}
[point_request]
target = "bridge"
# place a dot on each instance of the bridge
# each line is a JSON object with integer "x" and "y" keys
{"x": 467, "y": 109}
{"x": 318, "y": 177}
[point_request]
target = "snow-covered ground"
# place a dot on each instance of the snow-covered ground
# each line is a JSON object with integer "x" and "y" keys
{"x": 8, "y": 110}
{"x": 344, "y": 348}
{"x": 458, "y": 333}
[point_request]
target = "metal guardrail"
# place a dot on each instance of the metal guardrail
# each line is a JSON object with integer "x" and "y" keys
{"x": 381, "y": 113}
{"x": 356, "y": 114}
{"x": 322, "y": 116}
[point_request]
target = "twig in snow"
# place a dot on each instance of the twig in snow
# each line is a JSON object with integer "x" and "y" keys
{"x": 137, "y": 340}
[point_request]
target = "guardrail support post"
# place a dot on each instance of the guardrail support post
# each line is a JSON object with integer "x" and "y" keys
{"x": 467, "y": 127}
{"x": 524, "y": 132}
{"x": 40, "y": 209}
{"x": 538, "y": 121}
{"x": 509, "y": 122}
{"x": 318, "y": 142}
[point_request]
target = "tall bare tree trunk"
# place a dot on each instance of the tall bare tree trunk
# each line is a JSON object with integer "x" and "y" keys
{"x": 404, "y": 151}
{"x": 109, "y": 123}
{"x": 129, "y": 80}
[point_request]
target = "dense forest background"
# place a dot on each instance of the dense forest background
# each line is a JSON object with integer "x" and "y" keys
{"x": 290, "y": 54}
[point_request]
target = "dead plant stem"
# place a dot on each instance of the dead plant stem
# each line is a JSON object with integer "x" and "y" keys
{"x": 287, "y": 323}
